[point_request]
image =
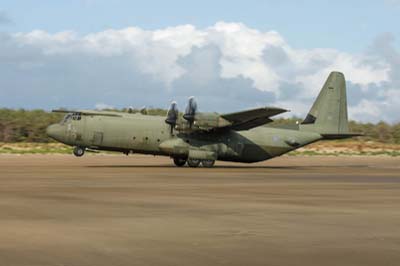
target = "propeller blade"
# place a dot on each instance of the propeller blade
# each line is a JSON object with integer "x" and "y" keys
{"x": 172, "y": 116}
{"x": 190, "y": 111}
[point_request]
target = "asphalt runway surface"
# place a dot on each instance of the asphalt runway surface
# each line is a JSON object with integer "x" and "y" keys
{"x": 57, "y": 210}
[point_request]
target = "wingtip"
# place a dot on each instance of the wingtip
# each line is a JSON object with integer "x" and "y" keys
{"x": 284, "y": 110}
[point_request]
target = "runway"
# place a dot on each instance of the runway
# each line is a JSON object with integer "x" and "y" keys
{"x": 58, "y": 210}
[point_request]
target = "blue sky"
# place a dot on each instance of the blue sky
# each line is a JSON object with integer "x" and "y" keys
{"x": 346, "y": 25}
{"x": 230, "y": 54}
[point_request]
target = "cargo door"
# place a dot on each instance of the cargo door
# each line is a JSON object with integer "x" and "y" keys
{"x": 97, "y": 138}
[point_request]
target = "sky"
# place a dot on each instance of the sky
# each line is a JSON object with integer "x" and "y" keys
{"x": 230, "y": 55}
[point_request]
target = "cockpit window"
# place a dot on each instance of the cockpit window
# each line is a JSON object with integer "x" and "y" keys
{"x": 66, "y": 119}
{"x": 71, "y": 116}
{"x": 76, "y": 116}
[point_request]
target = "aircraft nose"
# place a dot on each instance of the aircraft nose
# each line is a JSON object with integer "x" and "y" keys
{"x": 54, "y": 131}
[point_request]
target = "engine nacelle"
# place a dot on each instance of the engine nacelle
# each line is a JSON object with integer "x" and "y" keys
{"x": 203, "y": 121}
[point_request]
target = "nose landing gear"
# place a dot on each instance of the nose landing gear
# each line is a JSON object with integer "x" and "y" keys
{"x": 79, "y": 151}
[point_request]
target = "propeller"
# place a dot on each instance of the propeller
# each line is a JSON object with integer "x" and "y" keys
{"x": 172, "y": 116}
{"x": 190, "y": 111}
{"x": 143, "y": 111}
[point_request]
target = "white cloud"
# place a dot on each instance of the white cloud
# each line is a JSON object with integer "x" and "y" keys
{"x": 366, "y": 110}
{"x": 263, "y": 61}
{"x": 103, "y": 106}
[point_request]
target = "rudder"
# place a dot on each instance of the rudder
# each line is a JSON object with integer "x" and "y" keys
{"x": 328, "y": 115}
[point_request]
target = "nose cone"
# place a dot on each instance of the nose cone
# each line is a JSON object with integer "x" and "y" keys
{"x": 55, "y": 132}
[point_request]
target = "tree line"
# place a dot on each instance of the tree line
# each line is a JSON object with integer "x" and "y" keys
{"x": 30, "y": 126}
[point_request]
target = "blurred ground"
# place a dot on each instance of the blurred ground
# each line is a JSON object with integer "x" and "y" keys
{"x": 335, "y": 148}
{"x": 115, "y": 210}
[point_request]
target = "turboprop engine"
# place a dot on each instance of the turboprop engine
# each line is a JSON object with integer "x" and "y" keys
{"x": 172, "y": 116}
{"x": 194, "y": 120}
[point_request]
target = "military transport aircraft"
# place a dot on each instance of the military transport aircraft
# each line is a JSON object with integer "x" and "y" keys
{"x": 196, "y": 138}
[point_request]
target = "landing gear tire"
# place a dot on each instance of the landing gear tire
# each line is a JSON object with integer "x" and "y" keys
{"x": 193, "y": 163}
{"x": 208, "y": 163}
{"x": 179, "y": 162}
{"x": 79, "y": 151}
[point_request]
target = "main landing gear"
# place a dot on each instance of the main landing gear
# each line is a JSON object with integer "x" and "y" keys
{"x": 208, "y": 163}
{"x": 194, "y": 163}
{"x": 179, "y": 162}
{"x": 79, "y": 151}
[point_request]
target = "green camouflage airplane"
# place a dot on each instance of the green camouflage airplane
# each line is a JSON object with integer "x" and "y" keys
{"x": 202, "y": 138}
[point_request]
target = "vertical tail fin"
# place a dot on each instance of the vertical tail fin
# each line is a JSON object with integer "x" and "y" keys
{"x": 328, "y": 115}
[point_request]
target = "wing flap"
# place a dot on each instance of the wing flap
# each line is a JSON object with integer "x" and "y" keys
{"x": 249, "y": 119}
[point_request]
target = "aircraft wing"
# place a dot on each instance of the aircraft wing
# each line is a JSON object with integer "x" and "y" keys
{"x": 248, "y": 119}
{"x": 88, "y": 112}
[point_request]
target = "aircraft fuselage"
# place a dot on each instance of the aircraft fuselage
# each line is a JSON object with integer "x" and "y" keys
{"x": 144, "y": 134}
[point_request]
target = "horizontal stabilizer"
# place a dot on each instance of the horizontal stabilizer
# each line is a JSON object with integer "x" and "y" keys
{"x": 341, "y": 136}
